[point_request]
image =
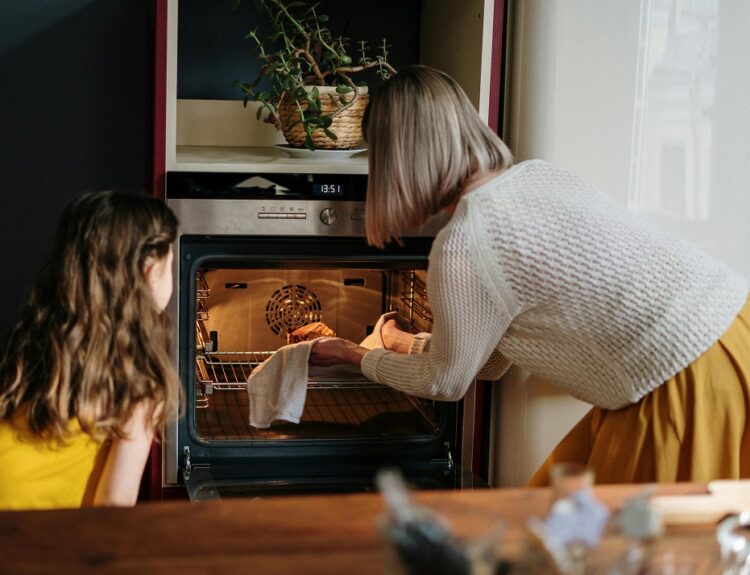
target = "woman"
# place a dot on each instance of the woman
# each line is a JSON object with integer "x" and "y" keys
{"x": 538, "y": 268}
{"x": 86, "y": 376}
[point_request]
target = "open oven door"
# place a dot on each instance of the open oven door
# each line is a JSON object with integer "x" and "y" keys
{"x": 314, "y": 457}
{"x": 207, "y": 482}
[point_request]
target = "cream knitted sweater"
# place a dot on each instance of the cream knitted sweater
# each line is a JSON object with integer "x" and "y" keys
{"x": 539, "y": 268}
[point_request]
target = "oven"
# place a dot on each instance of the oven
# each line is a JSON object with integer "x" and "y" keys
{"x": 260, "y": 255}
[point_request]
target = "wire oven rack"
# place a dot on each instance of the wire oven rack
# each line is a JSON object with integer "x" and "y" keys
{"x": 413, "y": 297}
{"x": 230, "y": 370}
{"x": 329, "y": 413}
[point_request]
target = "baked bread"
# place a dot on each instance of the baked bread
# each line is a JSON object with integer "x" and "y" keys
{"x": 310, "y": 331}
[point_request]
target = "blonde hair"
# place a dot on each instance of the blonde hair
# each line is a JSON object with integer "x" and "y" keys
{"x": 425, "y": 141}
{"x": 91, "y": 343}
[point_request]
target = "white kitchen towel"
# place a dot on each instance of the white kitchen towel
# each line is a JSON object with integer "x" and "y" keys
{"x": 277, "y": 388}
{"x": 375, "y": 339}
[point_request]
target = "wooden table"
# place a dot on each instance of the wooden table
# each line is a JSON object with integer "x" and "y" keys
{"x": 327, "y": 535}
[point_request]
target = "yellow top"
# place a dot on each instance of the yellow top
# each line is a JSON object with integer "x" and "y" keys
{"x": 47, "y": 474}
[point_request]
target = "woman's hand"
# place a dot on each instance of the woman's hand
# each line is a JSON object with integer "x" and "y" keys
{"x": 394, "y": 338}
{"x": 335, "y": 351}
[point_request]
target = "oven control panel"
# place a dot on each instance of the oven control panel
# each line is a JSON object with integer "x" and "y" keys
{"x": 271, "y": 217}
{"x": 325, "y": 213}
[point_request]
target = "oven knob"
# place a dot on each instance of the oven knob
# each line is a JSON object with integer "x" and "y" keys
{"x": 328, "y": 216}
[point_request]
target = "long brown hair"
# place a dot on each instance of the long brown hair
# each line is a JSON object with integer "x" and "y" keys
{"x": 91, "y": 342}
{"x": 425, "y": 140}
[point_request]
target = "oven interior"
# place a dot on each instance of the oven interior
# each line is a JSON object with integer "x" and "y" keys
{"x": 243, "y": 315}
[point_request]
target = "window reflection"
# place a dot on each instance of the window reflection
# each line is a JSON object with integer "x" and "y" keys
{"x": 673, "y": 128}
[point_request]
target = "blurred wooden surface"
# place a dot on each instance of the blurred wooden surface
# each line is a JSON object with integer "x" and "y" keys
{"x": 328, "y": 535}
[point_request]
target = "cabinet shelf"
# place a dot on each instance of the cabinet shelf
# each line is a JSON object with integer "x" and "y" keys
{"x": 260, "y": 159}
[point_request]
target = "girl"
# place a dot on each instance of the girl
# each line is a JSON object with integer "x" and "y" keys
{"x": 537, "y": 267}
{"x": 86, "y": 375}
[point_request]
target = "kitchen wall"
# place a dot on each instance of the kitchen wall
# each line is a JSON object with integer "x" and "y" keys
{"x": 649, "y": 100}
{"x": 75, "y": 109}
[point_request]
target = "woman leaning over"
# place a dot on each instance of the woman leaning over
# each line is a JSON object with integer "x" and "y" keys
{"x": 538, "y": 268}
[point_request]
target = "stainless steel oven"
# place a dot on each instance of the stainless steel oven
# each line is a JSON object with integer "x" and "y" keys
{"x": 259, "y": 255}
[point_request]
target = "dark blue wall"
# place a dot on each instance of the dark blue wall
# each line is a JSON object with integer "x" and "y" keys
{"x": 213, "y": 53}
{"x": 75, "y": 110}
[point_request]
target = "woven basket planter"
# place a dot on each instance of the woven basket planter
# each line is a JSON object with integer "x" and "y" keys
{"x": 347, "y": 123}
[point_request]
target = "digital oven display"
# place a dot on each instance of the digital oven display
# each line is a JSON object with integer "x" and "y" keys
{"x": 328, "y": 190}
{"x": 284, "y": 186}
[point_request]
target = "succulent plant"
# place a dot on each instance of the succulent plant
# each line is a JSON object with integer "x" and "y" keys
{"x": 299, "y": 54}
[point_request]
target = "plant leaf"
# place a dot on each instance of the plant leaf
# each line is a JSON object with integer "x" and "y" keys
{"x": 330, "y": 134}
{"x": 343, "y": 89}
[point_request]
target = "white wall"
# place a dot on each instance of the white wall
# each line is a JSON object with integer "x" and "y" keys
{"x": 650, "y": 100}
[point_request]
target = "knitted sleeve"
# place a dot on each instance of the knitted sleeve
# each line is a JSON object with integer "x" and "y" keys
{"x": 494, "y": 369}
{"x": 468, "y": 321}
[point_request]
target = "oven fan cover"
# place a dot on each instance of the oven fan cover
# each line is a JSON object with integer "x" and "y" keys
{"x": 290, "y": 307}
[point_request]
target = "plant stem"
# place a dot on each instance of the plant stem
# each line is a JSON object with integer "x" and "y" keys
{"x": 354, "y": 69}
{"x": 313, "y": 64}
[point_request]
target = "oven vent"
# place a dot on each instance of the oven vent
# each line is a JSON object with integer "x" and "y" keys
{"x": 291, "y": 307}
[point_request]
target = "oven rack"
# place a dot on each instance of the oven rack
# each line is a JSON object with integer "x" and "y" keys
{"x": 229, "y": 370}
{"x": 413, "y": 294}
{"x": 327, "y": 414}
{"x": 201, "y": 295}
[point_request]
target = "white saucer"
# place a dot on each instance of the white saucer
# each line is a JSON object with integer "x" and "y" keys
{"x": 305, "y": 154}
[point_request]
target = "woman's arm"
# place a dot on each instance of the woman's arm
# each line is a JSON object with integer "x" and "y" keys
{"x": 388, "y": 333}
{"x": 494, "y": 369}
{"x": 470, "y": 313}
{"x": 123, "y": 469}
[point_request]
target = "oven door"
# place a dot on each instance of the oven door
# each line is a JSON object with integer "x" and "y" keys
{"x": 242, "y": 293}
{"x": 207, "y": 482}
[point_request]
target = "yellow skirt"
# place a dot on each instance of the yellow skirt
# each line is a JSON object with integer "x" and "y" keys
{"x": 694, "y": 427}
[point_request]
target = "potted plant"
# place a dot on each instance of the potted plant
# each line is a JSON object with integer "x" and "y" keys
{"x": 305, "y": 84}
